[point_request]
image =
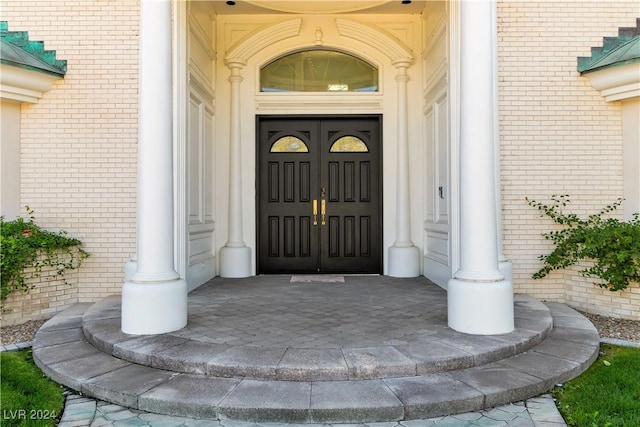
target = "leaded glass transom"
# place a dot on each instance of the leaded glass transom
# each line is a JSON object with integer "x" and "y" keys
{"x": 319, "y": 71}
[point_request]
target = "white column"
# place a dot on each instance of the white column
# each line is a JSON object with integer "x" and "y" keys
{"x": 504, "y": 265}
{"x": 404, "y": 256}
{"x": 235, "y": 256}
{"x": 480, "y": 300}
{"x": 154, "y": 299}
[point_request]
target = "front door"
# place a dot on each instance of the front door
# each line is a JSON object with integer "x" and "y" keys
{"x": 318, "y": 183}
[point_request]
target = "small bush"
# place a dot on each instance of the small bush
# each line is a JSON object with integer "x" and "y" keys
{"x": 612, "y": 246}
{"x": 26, "y": 249}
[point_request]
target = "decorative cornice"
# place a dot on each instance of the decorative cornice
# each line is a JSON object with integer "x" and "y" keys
{"x": 614, "y": 68}
{"x": 381, "y": 40}
{"x": 260, "y": 39}
{"x": 19, "y": 84}
{"x": 617, "y": 83}
{"x": 27, "y": 70}
{"x": 284, "y": 103}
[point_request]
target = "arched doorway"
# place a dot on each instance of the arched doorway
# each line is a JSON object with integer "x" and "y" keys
{"x": 364, "y": 42}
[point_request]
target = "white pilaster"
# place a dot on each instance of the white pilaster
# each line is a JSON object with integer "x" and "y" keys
{"x": 480, "y": 300}
{"x": 154, "y": 299}
{"x": 404, "y": 256}
{"x": 235, "y": 256}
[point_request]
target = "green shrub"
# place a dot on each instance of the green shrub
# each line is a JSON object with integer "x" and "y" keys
{"x": 612, "y": 246}
{"x": 26, "y": 249}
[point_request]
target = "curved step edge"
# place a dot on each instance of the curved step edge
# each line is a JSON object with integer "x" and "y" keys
{"x": 65, "y": 355}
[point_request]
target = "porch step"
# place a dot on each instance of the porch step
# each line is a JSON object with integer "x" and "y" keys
{"x": 62, "y": 352}
{"x": 439, "y": 350}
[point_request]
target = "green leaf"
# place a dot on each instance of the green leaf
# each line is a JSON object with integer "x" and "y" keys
{"x": 610, "y": 246}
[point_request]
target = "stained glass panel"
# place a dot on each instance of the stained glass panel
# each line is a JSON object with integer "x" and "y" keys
{"x": 289, "y": 144}
{"x": 349, "y": 144}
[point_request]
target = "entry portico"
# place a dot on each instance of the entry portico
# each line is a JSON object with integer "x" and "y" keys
{"x": 463, "y": 135}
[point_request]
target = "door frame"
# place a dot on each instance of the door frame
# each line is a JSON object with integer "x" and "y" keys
{"x": 377, "y": 117}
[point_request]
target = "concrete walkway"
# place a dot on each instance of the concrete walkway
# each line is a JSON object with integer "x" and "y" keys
{"x": 363, "y": 350}
{"x": 536, "y": 412}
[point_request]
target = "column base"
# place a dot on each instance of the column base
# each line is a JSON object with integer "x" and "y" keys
{"x": 151, "y": 308}
{"x": 130, "y": 269}
{"x": 480, "y": 308}
{"x": 506, "y": 268}
{"x": 403, "y": 261}
{"x": 235, "y": 263}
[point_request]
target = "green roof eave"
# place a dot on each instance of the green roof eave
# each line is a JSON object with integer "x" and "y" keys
{"x": 626, "y": 53}
{"x": 17, "y": 50}
{"x": 615, "y": 64}
{"x": 27, "y": 62}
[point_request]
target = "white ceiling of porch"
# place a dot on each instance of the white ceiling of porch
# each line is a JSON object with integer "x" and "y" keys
{"x": 317, "y": 7}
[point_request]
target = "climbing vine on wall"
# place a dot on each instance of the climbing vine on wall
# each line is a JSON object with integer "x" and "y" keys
{"x": 27, "y": 249}
{"x": 611, "y": 246}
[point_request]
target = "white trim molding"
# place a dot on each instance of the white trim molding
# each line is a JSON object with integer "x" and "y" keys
{"x": 389, "y": 45}
{"x": 19, "y": 84}
{"x": 617, "y": 83}
{"x": 260, "y": 39}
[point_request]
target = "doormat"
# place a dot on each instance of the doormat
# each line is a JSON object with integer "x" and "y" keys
{"x": 323, "y": 278}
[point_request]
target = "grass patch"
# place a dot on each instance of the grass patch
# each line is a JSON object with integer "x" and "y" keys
{"x": 28, "y": 397}
{"x": 605, "y": 395}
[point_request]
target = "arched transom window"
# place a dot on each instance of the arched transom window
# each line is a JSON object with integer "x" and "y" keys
{"x": 319, "y": 70}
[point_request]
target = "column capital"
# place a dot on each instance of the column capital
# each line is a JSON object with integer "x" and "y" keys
{"x": 402, "y": 63}
{"x": 235, "y": 63}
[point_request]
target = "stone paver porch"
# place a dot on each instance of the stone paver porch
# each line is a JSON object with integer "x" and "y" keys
{"x": 371, "y": 348}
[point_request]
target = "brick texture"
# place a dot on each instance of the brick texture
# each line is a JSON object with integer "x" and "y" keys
{"x": 49, "y": 294}
{"x": 558, "y": 136}
{"x": 78, "y": 146}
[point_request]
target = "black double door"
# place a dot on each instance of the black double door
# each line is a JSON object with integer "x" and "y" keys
{"x": 319, "y": 194}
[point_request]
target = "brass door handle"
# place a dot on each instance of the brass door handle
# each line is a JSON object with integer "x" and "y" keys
{"x": 323, "y": 210}
{"x": 315, "y": 212}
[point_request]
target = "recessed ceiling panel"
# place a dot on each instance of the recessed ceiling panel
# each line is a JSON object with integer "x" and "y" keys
{"x": 316, "y": 6}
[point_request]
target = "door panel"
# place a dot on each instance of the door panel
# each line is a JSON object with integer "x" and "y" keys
{"x": 319, "y": 199}
{"x": 286, "y": 243}
{"x": 352, "y": 207}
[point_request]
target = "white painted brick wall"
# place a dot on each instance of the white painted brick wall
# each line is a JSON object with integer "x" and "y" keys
{"x": 558, "y": 135}
{"x": 78, "y": 147}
